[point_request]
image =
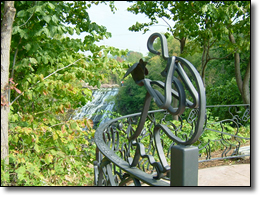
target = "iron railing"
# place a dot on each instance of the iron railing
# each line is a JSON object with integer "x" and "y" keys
{"x": 223, "y": 135}
{"x": 150, "y": 147}
{"x": 121, "y": 161}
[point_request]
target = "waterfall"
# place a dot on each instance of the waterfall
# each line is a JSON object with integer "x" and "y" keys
{"x": 99, "y": 108}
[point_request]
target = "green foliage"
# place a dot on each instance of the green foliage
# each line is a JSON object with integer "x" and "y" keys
{"x": 46, "y": 156}
{"x": 39, "y": 49}
{"x": 210, "y": 136}
{"x": 133, "y": 57}
{"x": 130, "y": 98}
{"x": 225, "y": 93}
{"x": 203, "y": 28}
{"x": 46, "y": 147}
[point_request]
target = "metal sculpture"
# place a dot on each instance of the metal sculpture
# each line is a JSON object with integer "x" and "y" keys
{"x": 189, "y": 92}
{"x": 174, "y": 64}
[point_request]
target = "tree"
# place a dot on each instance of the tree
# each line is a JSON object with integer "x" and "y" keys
{"x": 46, "y": 64}
{"x": 208, "y": 26}
{"x": 6, "y": 35}
{"x": 46, "y": 75}
{"x": 155, "y": 10}
{"x": 133, "y": 57}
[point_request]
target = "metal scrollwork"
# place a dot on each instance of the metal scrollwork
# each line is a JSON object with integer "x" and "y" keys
{"x": 141, "y": 155}
{"x": 174, "y": 64}
{"x": 229, "y": 136}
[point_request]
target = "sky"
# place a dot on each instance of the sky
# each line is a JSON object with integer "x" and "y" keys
{"x": 118, "y": 25}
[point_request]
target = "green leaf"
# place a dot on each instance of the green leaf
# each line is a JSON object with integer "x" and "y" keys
{"x": 33, "y": 61}
{"x": 21, "y": 170}
{"x": 73, "y": 125}
{"x": 204, "y": 8}
{"x": 22, "y": 33}
{"x": 51, "y": 6}
{"x": 44, "y": 59}
{"x": 71, "y": 31}
{"x": 14, "y": 117}
{"x": 71, "y": 147}
{"x": 21, "y": 13}
{"x": 46, "y": 31}
{"x": 38, "y": 59}
{"x": 38, "y": 9}
{"x": 54, "y": 19}
{"x": 47, "y": 18}
{"x": 77, "y": 31}
{"x": 53, "y": 152}
{"x": 27, "y": 46}
{"x": 48, "y": 158}
{"x": 55, "y": 136}
{"x": 29, "y": 95}
{"x": 98, "y": 84}
{"x": 15, "y": 30}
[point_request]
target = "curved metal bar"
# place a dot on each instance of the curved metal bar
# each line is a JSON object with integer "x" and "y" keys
{"x": 188, "y": 85}
{"x": 147, "y": 102}
{"x": 140, "y": 152}
{"x": 164, "y": 102}
{"x": 198, "y": 96}
{"x": 112, "y": 157}
{"x": 150, "y": 41}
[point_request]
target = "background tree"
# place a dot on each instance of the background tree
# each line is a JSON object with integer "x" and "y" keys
{"x": 133, "y": 57}
{"x": 209, "y": 27}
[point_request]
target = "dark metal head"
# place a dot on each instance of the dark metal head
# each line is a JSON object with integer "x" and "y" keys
{"x": 138, "y": 72}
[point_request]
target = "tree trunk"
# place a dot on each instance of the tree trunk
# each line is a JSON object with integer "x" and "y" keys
{"x": 243, "y": 86}
{"x": 203, "y": 64}
{"x": 6, "y": 34}
{"x": 182, "y": 44}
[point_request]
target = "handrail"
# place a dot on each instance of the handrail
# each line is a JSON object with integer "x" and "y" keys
{"x": 112, "y": 140}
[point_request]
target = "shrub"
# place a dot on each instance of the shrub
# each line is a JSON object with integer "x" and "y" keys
{"x": 49, "y": 156}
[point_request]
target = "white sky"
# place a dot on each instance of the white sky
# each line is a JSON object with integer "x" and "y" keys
{"x": 118, "y": 25}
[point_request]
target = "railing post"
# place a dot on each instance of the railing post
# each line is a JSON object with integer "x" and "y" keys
{"x": 184, "y": 165}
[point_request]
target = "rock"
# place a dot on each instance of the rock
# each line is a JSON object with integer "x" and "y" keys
{"x": 86, "y": 85}
{"x": 245, "y": 150}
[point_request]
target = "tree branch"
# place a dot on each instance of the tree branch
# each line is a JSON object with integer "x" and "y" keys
{"x": 44, "y": 79}
{"x": 167, "y": 24}
{"x": 57, "y": 124}
{"x": 12, "y": 75}
{"x": 221, "y": 57}
{"x": 212, "y": 43}
{"x": 15, "y": 54}
{"x": 29, "y": 17}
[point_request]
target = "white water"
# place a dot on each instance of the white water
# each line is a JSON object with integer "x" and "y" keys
{"x": 93, "y": 109}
